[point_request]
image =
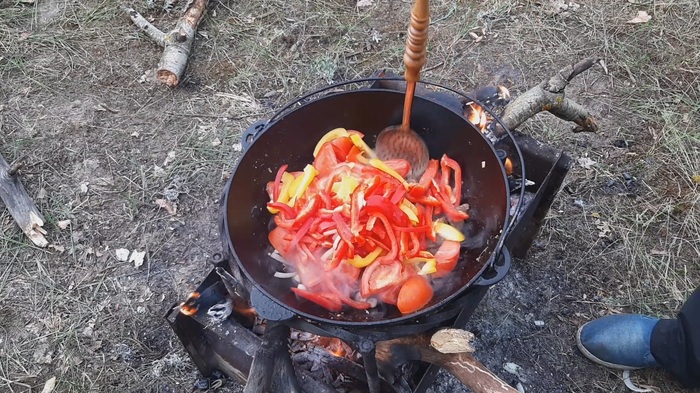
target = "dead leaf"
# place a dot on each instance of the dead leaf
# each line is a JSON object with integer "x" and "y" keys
{"x": 63, "y": 224}
{"x": 122, "y": 254}
{"x": 586, "y": 162}
{"x": 365, "y": 3}
{"x": 642, "y": 17}
{"x": 696, "y": 179}
{"x": 603, "y": 228}
{"x": 658, "y": 252}
{"x": 170, "y": 207}
{"x": 170, "y": 158}
{"x": 57, "y": 247}
{"x": 49, "y": 385}
{"x": 137, "y": 258}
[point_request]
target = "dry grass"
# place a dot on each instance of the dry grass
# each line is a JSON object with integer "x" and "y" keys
{"x": 96, "y": 323}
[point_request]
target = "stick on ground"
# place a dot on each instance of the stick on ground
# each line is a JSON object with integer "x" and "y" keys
{"x": 176, "y": 44}
{"x": 20, "y": 204}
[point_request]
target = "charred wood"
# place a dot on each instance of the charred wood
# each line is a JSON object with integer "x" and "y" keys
{"x": 272, "y": 369}
{"x": 177, "y": 43}
{"x": 19, "y": 203}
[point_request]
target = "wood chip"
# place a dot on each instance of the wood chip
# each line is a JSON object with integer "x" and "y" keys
{"x": 49, "y": 385}
{"x": 642, "y": 17}
{"x": 452, "y": 341}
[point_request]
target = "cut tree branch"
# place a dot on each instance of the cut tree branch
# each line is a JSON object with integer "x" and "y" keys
{"x": 452, "y": 355}
{"x": 20, "y": 204}
{"x": 549, "y": 96}
{"x": 176, "y": 44}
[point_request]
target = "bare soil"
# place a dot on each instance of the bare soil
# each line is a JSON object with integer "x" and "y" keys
{"x": 106, "y": 142}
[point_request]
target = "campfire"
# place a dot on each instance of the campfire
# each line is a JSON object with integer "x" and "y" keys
{"x": 268, "y": 348}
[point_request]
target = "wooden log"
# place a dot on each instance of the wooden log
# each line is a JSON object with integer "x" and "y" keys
{"x": 272, "y": 369}
{"x": 550, "y": 96}
{"x": 177, "y": 43}
{"x": 20, "y": 204}
{"x": 472, "y": 373}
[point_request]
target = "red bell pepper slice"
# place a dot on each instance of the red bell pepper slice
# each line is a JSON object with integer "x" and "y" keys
{"x": 327, "y": 301}
{"x": 343, "y": 228}
{"x": 310, "y": 208}
{"x": 415, "y": 245}
{"x": 288, "y": 212}
{"x": 378, "y": 204}
{"x": 300, "y": 234}
{"x": 340, "y": 254}
{"x": 283, "y": 223}
{"x": 418, "y": 190}
{"x": 447, "y": 162}
{"x": 398, "y": 196}
{"x": 278, "y": 182}
{"x": 394, "y": 251}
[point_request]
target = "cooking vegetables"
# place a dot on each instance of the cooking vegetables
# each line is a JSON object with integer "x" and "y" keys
{"x": 353, "y": 231}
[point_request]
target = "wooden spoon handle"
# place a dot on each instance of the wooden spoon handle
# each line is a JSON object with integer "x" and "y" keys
{"x": 416, "y": 42}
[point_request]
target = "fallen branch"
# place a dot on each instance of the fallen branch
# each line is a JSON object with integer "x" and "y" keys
{"x": 20, "y": 204}
{"x": 176, "y": 44}
{"x": 549, "y": 96}
{"x": 453, "y": 356}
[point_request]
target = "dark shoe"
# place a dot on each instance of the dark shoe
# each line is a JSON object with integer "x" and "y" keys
{"x": 618, "y": 341}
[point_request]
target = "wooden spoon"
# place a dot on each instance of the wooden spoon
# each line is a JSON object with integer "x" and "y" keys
{"x": 401, "y": 142}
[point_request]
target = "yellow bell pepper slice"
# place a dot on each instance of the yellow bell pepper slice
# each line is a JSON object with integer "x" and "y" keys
{"x": 329, "y": 136}
{"x": 379, "y": 164}
{"x": 448, "y": 232}
{"x": 410, "y": 210}
{"x": 287, "y": 180}
{"x": 430, "y": 267}
{"x": 357, "y": 140}
{"x": 344, "y": 188}
{"x": 298, "y": 189}
{"x": 429, "y": 264}
{"x": 361, "y": 262}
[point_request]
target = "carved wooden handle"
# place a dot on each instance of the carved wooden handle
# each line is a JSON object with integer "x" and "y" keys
{"x": 416, "y": 42}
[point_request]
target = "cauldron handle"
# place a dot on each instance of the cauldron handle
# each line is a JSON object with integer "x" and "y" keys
{"x": 251, "y": 133}
{"x": 500, "y": 268}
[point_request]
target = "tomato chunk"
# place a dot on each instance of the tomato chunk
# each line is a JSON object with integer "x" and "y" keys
{"x": 447, "y": 256}
{"x": 415, "y": 294}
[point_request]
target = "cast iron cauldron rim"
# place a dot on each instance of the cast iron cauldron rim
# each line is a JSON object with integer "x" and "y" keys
{"x": 277, "y": 117}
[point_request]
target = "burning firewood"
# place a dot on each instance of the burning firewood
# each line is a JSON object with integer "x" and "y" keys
{"x": 176, "y": 44}
{"x": 20, "y": 204}
{"x": 449, "y": 349}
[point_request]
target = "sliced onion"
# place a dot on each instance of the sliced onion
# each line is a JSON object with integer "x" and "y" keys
{"x": 327, "y": 255}
{"x": 279, "y": 258}
{"x": 372, "y": 302}
{"x": 296, "y": 279}
{"x": 285, "y": 274}
{"x": 301, "y": 286}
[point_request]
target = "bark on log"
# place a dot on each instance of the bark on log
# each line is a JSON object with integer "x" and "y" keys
{"x": 20, "y": 204}
{"x": 472, "y": 373}
{"x": 549, "y": 96}
{"x": 176, "y": 44}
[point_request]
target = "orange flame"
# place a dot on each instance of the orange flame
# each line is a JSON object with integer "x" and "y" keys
{"x": 190, "y": 307}
{"x": 245, "y": 312}
{"x": 477, "y": 116}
